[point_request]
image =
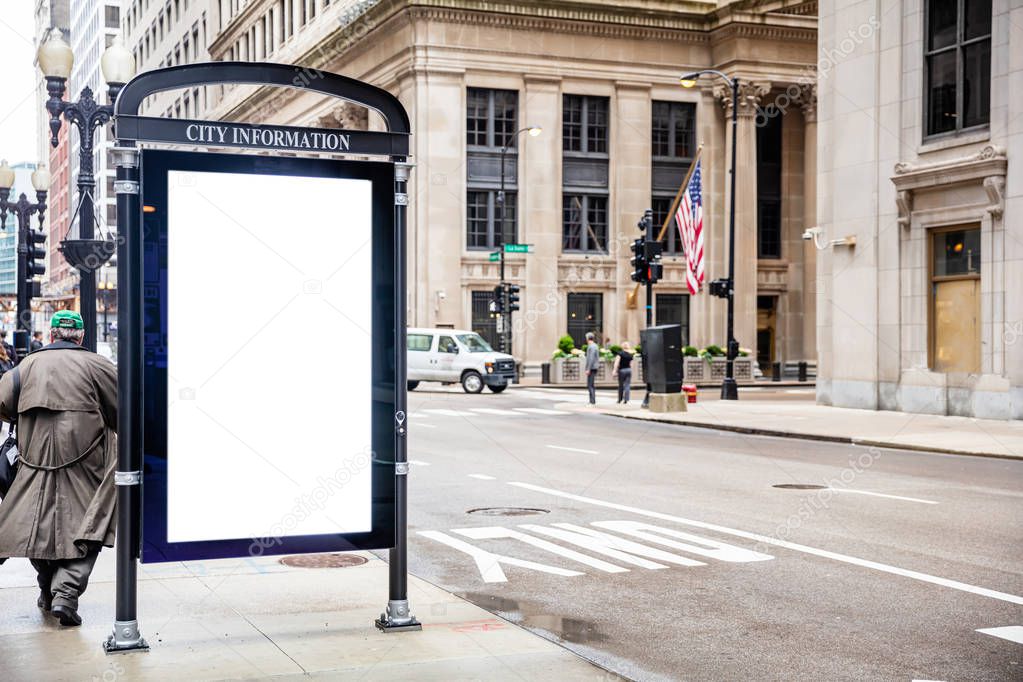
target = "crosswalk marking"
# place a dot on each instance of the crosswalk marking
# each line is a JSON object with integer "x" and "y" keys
{"x": 540, "y": 410}
{"x": 447, "y": 413}
{"x": 1013, "y": 633}
{"x": 482, "y": 477}
{"x": 493, "y": 410}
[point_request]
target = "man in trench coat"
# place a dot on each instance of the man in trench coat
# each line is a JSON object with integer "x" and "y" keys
{"x": 61, "y": 508}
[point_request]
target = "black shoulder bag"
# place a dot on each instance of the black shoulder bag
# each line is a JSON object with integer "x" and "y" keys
{"x": 9, "y": 449}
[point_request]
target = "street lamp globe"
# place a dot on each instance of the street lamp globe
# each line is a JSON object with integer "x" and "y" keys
{"x": 55, "y": 57}
{"x": 6, "y": 175}
{"x": 117, "y": 63}
{"x": 535, "y": 130}
{"x": 41, "y": 178}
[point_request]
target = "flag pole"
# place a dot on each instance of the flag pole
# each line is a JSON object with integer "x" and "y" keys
{"x": 678, "y": 196}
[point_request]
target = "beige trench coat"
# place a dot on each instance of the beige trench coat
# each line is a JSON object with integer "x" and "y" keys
{"x": 67, "y": 408}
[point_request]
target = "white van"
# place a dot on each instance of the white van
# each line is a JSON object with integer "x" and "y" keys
{"x": 457, "y": 355}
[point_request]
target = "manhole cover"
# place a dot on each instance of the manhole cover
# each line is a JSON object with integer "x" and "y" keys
{"x": 323, "y": 560}
{"x": 508, "y": 511}
{"x": 800, "y": 486}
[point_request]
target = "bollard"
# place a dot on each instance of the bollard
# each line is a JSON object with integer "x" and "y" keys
{"x": 802, "y": 371}
{"x": 776, "y": 372}
{"x": 545, "y": 373}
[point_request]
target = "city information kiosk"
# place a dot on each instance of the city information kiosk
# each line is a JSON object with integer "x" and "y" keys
{"x": 261, "y": 357}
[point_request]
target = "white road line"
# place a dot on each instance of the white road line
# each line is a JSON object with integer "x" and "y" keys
{"x": 845, "y": 558}
{"x": 448, "y": 413}
{"x": 482, "y": 477}
{"x": 891, "y": 497}
{"x": 1013, "y": 633}
{"x": 562, "y": 447}
{"x": 540, "y": 410}
{"x": 494, "y": 410}
{"x": 419, "y": 463}
{"x": 425, "y": 426}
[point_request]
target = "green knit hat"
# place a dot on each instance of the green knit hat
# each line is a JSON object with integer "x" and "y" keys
{"x": 67, "y": 319}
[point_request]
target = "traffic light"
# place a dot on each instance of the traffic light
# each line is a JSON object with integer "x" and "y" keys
{"x": 36, "y": 265}
{"x": 719, "y": 288}
{"x": 652, "y": 255}
{"x": 512, "y": 300}
{"x": 638, "y": 261}
{"x": 497, "y": 304}
{"x": 655, "y": 271}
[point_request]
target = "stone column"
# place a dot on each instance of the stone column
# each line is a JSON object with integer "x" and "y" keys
{"x": 750, "y": 94}
{"x": 543, "y": 314}
{"x": 630, "y": 195}
{"x": 808, "y": 102}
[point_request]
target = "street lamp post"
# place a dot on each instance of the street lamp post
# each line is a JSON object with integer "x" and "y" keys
{"x": 533, "y": 132}
{"x": 27, "y": 239}
{"x": 86, "y": 253}
{"x": 729, "y": 389}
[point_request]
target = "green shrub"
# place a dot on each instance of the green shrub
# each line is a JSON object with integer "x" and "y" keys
{"x": 566, "y": 343}
{"x": 690, "y": 351}
{"x": 614, "y": 348}
{"x": 714, "y": 351}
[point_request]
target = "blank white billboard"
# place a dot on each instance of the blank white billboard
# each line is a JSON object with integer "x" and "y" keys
{"x": 269, "y": 356}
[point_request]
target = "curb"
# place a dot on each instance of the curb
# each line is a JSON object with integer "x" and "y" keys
{"x": 847, "y": 440}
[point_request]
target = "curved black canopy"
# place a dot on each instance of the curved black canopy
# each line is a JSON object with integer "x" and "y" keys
{"x": 282, "y": 75}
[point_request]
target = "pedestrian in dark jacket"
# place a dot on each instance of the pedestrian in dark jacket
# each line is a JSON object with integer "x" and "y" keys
{"x": 60, "y": 510}
{"x": 11, "y": 352}
{"x": 623, "y": 370}
{"x": 37, "y": 342}
{"x": 592, "y": 365}
{"x": 6, "y": 364}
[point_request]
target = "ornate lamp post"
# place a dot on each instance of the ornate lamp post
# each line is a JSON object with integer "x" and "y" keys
{"x": 27, "y": 240}
{"x": 86, "y": 253}
{"x": 729, "y": 389}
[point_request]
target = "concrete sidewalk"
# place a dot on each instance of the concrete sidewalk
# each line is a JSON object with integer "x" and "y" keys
{"x": 255, "y": 618}
{"x": 805, "y": 419}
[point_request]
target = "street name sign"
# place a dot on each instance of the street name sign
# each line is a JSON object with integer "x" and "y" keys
{"x": 518, "y": 248}
{"x": 495, "y": 256}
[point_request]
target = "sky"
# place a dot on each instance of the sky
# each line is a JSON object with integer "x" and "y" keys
{"x": 17, "y": 98}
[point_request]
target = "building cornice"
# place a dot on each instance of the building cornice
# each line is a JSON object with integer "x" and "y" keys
{"x": 988, "y": 166}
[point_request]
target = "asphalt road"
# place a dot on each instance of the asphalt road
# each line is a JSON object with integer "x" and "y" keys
{"x": 680, "y": 559}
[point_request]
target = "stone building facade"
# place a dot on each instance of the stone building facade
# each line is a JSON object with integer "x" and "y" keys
{"x": 618, "y": 132}
{"x": 919, "y": 128}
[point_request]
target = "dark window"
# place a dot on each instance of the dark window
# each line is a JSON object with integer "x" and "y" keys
{"x": 484, "y": 219}
{"x": 585, "y": 223}
{"x": 585, "y": 314}
{"x": 958, "y": 65}
{"x": 957, "y": 252}
{"x": 491, "y": 122}
{"x": 584, "y": 124}
{"x": 484, "y": 322}
{"x": 673, "y": 142}
{"x": 112, "y": 16}
{"x": 491, "y": 117}
{"x": 673, "y": 309}
{"x": 769, "y": 187}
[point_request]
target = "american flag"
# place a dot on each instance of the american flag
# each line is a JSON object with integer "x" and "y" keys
{"x": 690, "y": 227}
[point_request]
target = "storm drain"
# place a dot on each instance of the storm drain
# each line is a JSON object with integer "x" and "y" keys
{"x": 508, "y": 511}
{"x": 323, "y": 560}
{"x": 800, "y": 486}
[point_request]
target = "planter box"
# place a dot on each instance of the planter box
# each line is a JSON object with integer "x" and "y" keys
{"x": 570, "y": 371}
{"x": 699, "y": 371}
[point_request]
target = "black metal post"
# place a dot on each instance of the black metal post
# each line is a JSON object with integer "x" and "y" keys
{"x": 505, "y": 313}
{"x": 648, "y": 222}
{"x": 128, "y": 475}
{"x": 398, "y": 617}
{"x": 23, "y": 212}
{"x": 729, "y": 389}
